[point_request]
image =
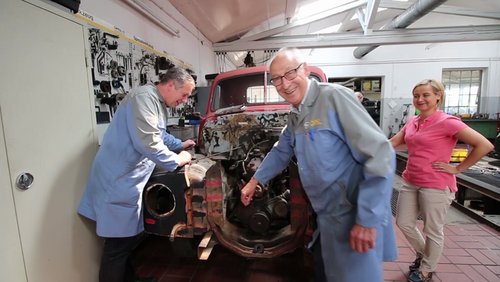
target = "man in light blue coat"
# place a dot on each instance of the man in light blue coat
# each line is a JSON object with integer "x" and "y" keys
{"x": 135, "y": 141}
{"x": 346, "y": 165}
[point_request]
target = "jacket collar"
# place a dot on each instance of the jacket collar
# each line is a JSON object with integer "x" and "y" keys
{"x": 309, "y": 100}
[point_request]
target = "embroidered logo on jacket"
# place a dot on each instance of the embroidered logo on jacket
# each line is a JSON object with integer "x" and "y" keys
{"x": 309, "y": 127}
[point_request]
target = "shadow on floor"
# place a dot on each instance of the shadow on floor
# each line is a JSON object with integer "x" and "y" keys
{"x": 156, "y": 257}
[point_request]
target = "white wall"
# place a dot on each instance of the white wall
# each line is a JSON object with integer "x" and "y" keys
{"x": 191, "y": 47}
{"x": 402, "y": 66}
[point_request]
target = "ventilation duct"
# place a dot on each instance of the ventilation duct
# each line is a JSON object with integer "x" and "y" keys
{"x": 411, "y": 15}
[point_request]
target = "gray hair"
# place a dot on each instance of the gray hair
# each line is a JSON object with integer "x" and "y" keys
{"x": 180, "y": 77}
{"x": 290, "y": 52}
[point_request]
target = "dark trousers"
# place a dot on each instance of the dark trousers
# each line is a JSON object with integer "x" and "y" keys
{"x": 319, "y": 269}
{"x": 116, "y": 265}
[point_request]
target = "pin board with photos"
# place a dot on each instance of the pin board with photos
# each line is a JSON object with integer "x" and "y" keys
{"x": 120, "y": 63}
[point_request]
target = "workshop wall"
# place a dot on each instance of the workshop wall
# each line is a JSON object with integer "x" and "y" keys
{"x": 402, "y": 66}
{"x": 190, "y": 46}
{"x": 119, "y": 64}
{"x": 129, "y": 50}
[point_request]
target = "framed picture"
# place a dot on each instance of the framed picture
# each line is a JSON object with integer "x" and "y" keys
{"x": 376, "y": 85}
{"x": 367, "y": 85}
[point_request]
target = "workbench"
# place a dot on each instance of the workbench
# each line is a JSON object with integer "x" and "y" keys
{"x": 479, "y": 182}
{"x": 487, "y": 127}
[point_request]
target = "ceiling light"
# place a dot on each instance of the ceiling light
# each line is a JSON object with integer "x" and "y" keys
{"x": 146, "y": 11}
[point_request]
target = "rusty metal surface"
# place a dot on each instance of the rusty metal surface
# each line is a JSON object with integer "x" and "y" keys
{"x": 233, "y": 134}
{"x": 239, "y": 239}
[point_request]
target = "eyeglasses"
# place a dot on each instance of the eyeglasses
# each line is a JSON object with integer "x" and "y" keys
{"x": 289, "y": 75}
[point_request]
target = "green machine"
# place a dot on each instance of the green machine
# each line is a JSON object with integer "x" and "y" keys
{"x": 487, "y": 127}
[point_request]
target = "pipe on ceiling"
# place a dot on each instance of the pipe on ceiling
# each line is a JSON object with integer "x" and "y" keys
{"x": 409, "y": 16}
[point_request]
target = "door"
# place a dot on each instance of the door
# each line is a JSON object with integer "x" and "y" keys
{"x": 11, "y": 260}
{"x": 48, "y": 128}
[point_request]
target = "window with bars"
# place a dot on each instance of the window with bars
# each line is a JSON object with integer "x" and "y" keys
{"x": 463, "y": 90}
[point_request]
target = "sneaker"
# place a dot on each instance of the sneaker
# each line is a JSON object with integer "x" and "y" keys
{"x": 416, "y": 264}
{"x": 417, "y": 276}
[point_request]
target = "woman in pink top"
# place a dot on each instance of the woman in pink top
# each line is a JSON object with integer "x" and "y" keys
{"x": 429, "y": 180}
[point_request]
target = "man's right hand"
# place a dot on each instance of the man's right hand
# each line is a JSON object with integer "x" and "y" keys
{"x": 188, "y": 144}
{"x": 185, "y": 158}
{"x": 247, "y": 191}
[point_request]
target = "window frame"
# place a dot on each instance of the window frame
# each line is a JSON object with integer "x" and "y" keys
{"x": 458, "y": 90}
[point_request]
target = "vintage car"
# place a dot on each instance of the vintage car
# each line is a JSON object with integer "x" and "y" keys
{"x": 244, "y": 118}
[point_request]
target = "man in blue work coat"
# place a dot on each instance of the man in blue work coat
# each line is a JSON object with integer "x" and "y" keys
{"x": 346, "y": 165}
{"x": 135, "y": 141}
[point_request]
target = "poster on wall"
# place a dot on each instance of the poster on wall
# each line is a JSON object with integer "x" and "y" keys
{"x": 366, "y": 85}
{"x": 376, "y": 85}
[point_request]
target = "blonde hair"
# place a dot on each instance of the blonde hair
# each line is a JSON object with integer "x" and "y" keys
{"x": 437, "y": 88}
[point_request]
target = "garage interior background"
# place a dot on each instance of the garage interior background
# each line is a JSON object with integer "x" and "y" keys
{"x": 238, "y": 25}
{"x": 51, "y": 46}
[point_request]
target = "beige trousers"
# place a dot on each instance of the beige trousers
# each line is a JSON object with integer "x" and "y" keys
{"x": 432, "y": 205}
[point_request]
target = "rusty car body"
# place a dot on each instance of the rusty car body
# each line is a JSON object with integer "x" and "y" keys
{"x": 244, "y": 118}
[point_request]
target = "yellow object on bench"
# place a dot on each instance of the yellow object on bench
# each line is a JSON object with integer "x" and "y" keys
{"x": 458, "y": 155}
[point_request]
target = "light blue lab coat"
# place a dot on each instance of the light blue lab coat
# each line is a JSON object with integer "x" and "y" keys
{"x": 134, "y": 142}
{"x": 346, "y": 165}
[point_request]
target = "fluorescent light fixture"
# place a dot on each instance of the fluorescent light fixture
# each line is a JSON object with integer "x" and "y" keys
{"x": 146, "y": 11}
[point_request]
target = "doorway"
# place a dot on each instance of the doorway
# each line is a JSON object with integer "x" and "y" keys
{"x": 370, "y": 87}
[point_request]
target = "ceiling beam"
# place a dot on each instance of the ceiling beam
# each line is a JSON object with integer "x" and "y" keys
{"x": 443, "y": 9}
{"x": 346, "y": 23}
{"x": 368, "y": 18}
{"x": 376, "y": 37}
{"x": 416, "y": 11}
{"x": 308, "y": 20}
{"x": 291, "y": 6}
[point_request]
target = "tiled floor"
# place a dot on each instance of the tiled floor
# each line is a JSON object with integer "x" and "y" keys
{"x": 471, "y": 253}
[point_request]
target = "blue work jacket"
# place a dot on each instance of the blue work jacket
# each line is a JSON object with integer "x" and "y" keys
{"x": 135, "y": 141}
{"x": 346, "y": 165}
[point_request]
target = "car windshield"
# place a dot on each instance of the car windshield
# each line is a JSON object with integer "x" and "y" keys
{"x": 245, "y": 90}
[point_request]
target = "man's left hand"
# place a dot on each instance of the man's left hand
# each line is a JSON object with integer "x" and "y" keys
{"x": 362, "y": 238}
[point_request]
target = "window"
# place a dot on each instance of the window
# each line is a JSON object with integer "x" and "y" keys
{"x": 255, "y": 94}
{"x": 463, "y": 89}
{"x": 247, "y": 89}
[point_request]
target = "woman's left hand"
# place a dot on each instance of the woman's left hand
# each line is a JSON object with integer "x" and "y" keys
{"x": 445, "y": 167}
